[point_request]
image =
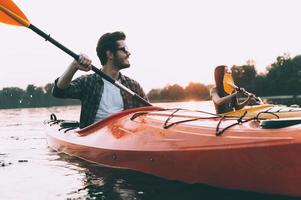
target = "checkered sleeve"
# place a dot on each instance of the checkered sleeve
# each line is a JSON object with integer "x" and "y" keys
{"x": 74, "y": 91}
{"x": 139, "y": 90}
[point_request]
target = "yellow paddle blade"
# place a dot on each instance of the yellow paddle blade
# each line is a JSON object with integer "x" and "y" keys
{"x": 11, "y": 14}
{"x": 228, "y": 83}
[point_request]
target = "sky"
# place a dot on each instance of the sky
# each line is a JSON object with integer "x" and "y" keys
{"x": 171, "y": 41}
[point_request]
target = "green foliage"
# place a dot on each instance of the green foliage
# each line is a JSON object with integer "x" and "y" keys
{"x": 172, "y": 93}
{"x": 33, "y": 96}
{"x": 194, "y": 91}
{"x": 283, "y": 77}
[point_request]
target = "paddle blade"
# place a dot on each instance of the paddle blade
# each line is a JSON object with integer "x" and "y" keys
{"x": 11, "y": 14}
{"x": 228, "y": 83}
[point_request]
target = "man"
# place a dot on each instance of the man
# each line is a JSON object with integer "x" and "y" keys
{"x": 99, "y": 98}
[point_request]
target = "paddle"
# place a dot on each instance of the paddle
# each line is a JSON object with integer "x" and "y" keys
{"x": 12, "y": 15}
{"x": 229, "y": 87}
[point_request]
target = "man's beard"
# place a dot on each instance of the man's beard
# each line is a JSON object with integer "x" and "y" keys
{"x": 120, "y": 64}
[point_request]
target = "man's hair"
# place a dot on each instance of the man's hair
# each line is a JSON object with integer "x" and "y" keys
{"x": 108, "y": 42}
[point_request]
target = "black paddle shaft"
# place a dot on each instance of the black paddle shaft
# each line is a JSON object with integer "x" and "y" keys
{"x": 95, "y": 69}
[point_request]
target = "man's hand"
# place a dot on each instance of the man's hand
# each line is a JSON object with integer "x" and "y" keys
{"x": 83, "y": 63}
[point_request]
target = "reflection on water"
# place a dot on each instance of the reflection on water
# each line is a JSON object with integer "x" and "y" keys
{"x": 31, "y": 170}
{"x": 107, "y": 183}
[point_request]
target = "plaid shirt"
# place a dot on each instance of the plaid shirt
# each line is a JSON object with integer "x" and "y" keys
{"x": 89, "y": 88}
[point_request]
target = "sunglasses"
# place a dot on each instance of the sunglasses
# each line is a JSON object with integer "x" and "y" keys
{"x": 124, "y": 49}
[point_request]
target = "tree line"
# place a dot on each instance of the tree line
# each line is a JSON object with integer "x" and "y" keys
{"x": 194, "y": 91}
{"x": 283, "y": 77}
{"x": 32, "y": 96}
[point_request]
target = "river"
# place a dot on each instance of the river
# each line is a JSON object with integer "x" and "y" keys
{"x": 29, "y": 169}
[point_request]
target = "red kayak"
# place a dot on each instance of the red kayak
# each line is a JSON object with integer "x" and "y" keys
{"x": 190, "y": 146}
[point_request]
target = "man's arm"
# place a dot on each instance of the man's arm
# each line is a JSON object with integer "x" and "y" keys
{"x": 83, "y": 63}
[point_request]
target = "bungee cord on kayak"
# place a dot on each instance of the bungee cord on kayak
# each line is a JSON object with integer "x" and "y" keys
{"x": 64, "y": 124}
{"x": 70, "y": 125}
{"x": 268, "y": 112}
{"x": 167, "y": 125}
{"x": 219, "y": 132}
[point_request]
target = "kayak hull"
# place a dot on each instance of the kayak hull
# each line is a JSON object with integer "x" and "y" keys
{"x": 245, "y": 157}
{"x": 221, "y": 169}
